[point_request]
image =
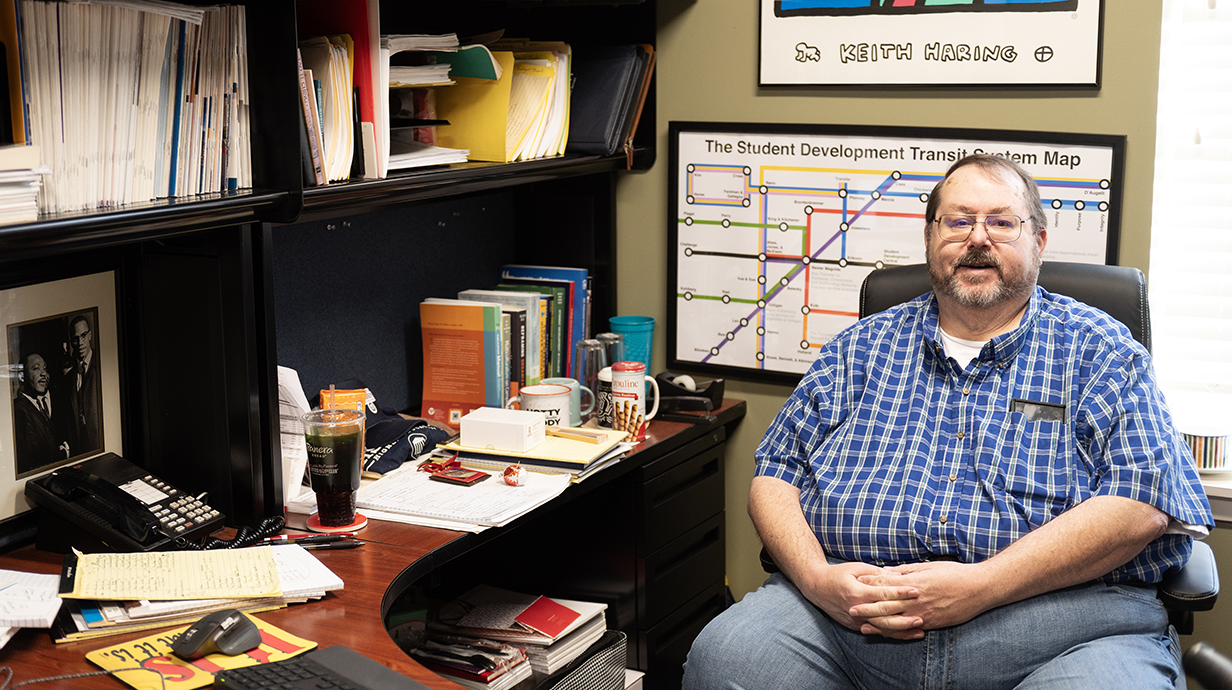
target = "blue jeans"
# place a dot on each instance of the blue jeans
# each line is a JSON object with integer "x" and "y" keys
{"x": 1084, "y": 637}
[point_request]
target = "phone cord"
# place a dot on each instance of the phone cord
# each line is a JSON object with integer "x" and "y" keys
{"x": 244, "y": 536}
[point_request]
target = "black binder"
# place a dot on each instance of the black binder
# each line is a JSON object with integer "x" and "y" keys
{"x": 606, "y": 94}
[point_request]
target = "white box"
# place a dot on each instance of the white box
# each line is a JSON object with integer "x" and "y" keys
{"x": 497, "y": 429}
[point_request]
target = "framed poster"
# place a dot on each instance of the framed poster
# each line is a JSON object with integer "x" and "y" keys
{"x": 772, "y": 228}
{"x": 931, "y": 42}
{"x": 63, "y": 399}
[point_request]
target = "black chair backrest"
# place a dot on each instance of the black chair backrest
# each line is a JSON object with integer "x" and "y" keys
{"x": 1118, "y": 290}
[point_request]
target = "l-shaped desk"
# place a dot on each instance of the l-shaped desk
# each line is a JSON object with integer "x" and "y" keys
{"x": 645, "y": 536}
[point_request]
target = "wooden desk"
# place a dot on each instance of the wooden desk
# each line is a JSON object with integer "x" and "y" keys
{"x": 396, "y": 557}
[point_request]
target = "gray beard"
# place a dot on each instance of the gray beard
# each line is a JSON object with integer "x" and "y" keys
{"x": 978, "y": 296}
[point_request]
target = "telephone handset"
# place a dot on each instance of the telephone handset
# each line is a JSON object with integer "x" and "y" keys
{"x": 111, "y": 503}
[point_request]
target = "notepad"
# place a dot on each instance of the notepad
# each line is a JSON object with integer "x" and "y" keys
{"x": 234, "y": 573}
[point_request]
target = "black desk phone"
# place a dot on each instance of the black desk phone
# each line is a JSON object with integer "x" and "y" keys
{"x": 108, "y": 503}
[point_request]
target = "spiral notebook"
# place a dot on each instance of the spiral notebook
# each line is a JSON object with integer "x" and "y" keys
{"x": 492, "y": 502}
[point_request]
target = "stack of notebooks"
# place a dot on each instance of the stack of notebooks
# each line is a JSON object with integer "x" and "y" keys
{"x": 111, "y": 594}
{"x": 548, "y": 632}
{"x": 556, "y": 455}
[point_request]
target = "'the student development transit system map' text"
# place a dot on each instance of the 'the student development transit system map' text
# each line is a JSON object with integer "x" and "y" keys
{"x": 776, "y": 232}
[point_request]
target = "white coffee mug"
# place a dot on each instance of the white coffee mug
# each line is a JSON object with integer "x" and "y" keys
{"x": 629, "y": 381}
{"x": 575, "y": 398}
{"x": 549, "y": 398}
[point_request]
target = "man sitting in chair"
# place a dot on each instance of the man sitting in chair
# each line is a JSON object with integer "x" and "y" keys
{"x": 976, "y": 489}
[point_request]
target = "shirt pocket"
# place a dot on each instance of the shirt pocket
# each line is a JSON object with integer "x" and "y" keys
{"x": 1030, "y": 463}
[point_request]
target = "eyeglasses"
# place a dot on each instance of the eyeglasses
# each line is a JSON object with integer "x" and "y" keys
{"x": 84, "y": 336}
{"x": 953, "y": 227}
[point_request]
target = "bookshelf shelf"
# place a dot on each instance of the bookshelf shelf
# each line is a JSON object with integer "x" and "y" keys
{"x": 409, "y": 186}
{"x": 70, "y": 232}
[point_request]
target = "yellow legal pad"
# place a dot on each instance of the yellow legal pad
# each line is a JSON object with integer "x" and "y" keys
{"x": 224, "y": 573}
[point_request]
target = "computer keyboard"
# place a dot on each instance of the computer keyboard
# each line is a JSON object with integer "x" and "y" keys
{"x": 324, "y": 669}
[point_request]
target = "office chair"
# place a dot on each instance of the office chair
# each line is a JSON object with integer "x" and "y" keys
{"x": 1211, "y": 669}
{"x": 1121, "y": 292}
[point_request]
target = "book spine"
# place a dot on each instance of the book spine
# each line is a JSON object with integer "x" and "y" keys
{"x": 314, "y": 152}
{"x": 510, "y": 388}
{"x": 547, "y": 351}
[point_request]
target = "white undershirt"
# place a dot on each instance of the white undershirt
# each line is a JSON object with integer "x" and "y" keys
{"x": 961, "y": 351}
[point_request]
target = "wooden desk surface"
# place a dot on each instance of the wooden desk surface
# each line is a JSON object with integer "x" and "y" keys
{"x": 351, "y": 616}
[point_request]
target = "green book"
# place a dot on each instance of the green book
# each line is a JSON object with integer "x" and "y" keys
{"x": 558, "y": 318}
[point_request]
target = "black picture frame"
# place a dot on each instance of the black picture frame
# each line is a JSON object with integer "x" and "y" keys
{"x": 1085, "y": 172}
{"x": 834, "y": 43}
{"x": 40, "y": 317}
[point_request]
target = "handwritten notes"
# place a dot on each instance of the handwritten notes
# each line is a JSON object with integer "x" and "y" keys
{"x": 28, "y": 600}
{"x": 225, "y": 573}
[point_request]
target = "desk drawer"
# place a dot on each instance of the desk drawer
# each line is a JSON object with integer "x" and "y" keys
{"x": 678, "y": 499}
{"x": 672, "y": 575}
{"x": 664, "y": 647}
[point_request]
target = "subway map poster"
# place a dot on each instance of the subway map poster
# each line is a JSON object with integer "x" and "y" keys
{"x": 930, "y": 42}
{"x": 773, "y": 228}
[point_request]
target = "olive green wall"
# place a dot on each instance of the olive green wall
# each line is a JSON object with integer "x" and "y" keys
{"x": 707, "y": 71}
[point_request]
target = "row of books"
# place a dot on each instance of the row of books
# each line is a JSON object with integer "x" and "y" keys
{"x": 481, "y": 347}
{"x": 131, "y": 101}
{"x": 492, "y": 639}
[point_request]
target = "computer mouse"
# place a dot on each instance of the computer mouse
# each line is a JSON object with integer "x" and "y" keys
{"x": 222, "y": 632}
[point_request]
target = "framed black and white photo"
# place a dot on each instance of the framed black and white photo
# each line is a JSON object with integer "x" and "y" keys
{"x": 930, "y": 42}
{"x": 63, "y": 400}
{"x": 772, "y": 228}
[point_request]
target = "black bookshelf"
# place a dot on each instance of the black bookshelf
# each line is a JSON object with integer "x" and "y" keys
{"x": 203, "y": 309}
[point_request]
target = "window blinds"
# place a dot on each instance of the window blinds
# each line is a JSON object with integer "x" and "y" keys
{"x": 1191, "y": 230}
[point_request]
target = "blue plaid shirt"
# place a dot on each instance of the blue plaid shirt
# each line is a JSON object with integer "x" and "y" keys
{"x": 901, "y": 454}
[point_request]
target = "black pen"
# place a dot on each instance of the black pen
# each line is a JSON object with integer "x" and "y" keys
{"x": 334, "y": 545}
{"x": 306, "y": 539}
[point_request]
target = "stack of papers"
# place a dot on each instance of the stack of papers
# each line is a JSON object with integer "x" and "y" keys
{"x": 551, "y": 631}
{"x": 125, "y": 592}
{"x": 557, "y": 455}
{"x": 474, "y": 663}
{"x": 21, "y": 174}
{"x": 409, "y": 493}
{"x": 405, "y": 152}
{"x": 27, "y": 600}
{"x": 403, "y": 42}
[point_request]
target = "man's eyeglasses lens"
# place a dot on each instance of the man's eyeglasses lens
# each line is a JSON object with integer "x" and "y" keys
{"x": 956, "y": 228}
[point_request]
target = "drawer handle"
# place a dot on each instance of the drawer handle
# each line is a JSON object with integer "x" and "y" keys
{"x": 709, "y": 470}
{"x": 710, "y": 539}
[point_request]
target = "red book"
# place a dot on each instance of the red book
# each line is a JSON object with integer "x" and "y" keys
{"x": 547, "y": 617}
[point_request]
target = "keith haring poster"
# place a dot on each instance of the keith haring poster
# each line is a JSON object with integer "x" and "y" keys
{"x": 931, "y": 42}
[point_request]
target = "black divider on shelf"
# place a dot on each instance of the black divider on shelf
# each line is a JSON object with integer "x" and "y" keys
{"x": 347, "y": 291}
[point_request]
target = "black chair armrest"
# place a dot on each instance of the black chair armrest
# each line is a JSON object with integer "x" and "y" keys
{"x": 1194, "y": 587}
{"x": 767, "y": 562}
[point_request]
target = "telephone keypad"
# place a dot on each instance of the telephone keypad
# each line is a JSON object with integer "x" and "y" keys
{"x": 182, "y": 513}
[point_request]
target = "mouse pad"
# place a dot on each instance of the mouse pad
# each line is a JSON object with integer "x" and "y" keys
{"x": 154, "y": 652}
